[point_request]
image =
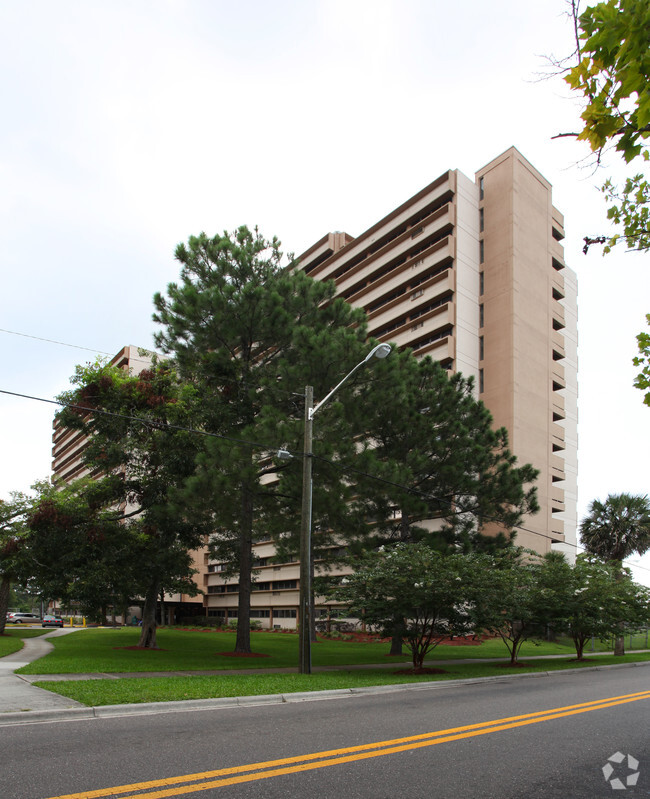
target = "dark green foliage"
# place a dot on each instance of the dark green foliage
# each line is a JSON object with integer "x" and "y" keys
{"x": 78, "y": 552}
{"x": 136, "y": 441}
{"x": 415, "y": 592}
{"x": 249, "y": 334}
{"x": 618, "y": 527}
{"x": 12, "y": 536}
{"x": 435, "y": 446}
{"x": 596, "y": 597}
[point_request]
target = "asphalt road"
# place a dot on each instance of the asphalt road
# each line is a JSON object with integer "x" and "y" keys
{"x": 328, "y": 748}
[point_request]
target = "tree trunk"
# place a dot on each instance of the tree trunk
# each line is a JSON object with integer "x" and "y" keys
{"x": 619, "y": 645}
{"x": 579, "y": 644}
{"x": 243, "y": 641}
{"x": 418, "y": 653}
{"x": 396, "y": 640}
{"x": 4, "y": 602}
{"x": 148, "y": 634}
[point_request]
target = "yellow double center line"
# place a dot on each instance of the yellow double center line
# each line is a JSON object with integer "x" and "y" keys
{"x": 203, "y": 781}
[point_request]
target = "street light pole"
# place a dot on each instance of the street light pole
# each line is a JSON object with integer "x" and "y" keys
{"x": 304, "y": 629}
{"x": 305, "y": 540}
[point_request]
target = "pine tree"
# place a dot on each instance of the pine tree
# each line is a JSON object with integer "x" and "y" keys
{"x": 249, "y": 333}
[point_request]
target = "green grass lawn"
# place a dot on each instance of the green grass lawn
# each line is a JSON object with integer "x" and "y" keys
{"x": 12, "y": 640}
{"x": 106, "y": 650}
{"x": 166, "y": 689}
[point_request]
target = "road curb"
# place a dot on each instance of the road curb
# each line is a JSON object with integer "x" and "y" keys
{"x": 223, "y": 703}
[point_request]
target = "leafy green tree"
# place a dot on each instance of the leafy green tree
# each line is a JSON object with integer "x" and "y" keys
{"x": 615, "y": 529}
{"x": 642, "y": 380}
{"x": 612, "y": 75}
{"x": 249, "y": 333}
{"x": 521, "y": 598}
{"x": 596, "y": 600}
{"x": 12, "y": 534}
{"x": 77, "y": 550}
{"x": 137, "y": 437}
{"x": 430, "y": 593}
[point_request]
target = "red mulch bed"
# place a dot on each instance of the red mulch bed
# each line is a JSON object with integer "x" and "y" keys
{"x": 517, "y": 665}
{"x": 242, "y": 655}
{"x": 142, "y": 648}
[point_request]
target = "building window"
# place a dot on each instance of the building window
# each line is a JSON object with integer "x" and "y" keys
{"x": 481, "y": 188}
{"x": 481, "y": 219}
{"x": 281, "y": 585}
{"x": 481, "y": 283}
{"x": 481, "y": 381}
{"x": 481, "y": 251}
{"x": 481, "y": 348}
{"x": 284, "y": 614}
{"x": 481, "y": 315}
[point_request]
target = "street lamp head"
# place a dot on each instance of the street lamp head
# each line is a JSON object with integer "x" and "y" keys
{"x": 380, "y": 351}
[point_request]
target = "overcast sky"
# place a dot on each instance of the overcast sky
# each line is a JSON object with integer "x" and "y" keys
{"x": 129, "y": 126}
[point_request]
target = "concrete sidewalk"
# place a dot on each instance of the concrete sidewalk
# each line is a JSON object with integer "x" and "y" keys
{"x": 17, "y": 694}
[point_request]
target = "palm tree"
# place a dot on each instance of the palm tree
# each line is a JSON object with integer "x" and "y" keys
{"x": 614, "y": 530}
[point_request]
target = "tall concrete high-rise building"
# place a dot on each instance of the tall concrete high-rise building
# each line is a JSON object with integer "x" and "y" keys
{"x": 472, "y": 273}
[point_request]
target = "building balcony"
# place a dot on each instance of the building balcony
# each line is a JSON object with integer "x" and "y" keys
{"x": 440, "y": 350}
{"x": 557, "y": 342}
{"x": 402, "y": 276}
{"x": 557, "y": 372}
{"x": 557, "y": 467}
{"x": 416, "y": 324}
{"x": 400, "y": 224}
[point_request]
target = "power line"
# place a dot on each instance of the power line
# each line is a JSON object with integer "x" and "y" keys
{"x": 65, "y": 344}
{"x": 232, "y": 381}
{"x": 152, "y": 424}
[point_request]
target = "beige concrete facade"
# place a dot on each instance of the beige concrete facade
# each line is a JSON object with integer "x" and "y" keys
{"x": 472, "y": 273}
